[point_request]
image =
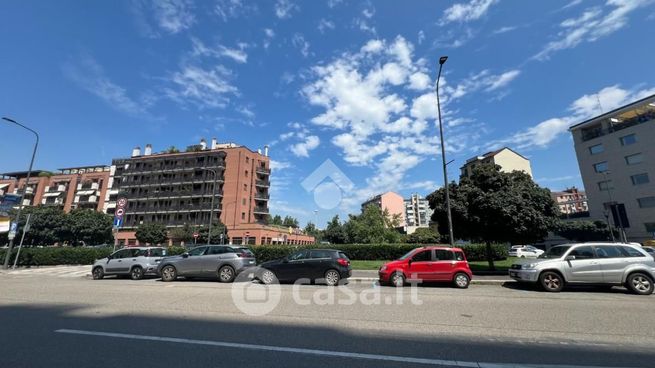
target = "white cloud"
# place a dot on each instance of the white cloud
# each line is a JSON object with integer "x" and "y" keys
{"x": 419, "y": 81}
{"x": 324, "y": 25}
{"x": 280, "y": 165}
{"x": 227, "y": 9}
{"x": 285, "y": 8}
{"x": 483, "y": 80}
{"x": 270, "y": 34}
{"x": 174, "y": 16}
{"x": 368, "y": 12}
{"x": 90, "y": 76}
{"x": 301, "y": 44}
{"x": 205, "y": 87}
{"x": 505, "y": 29}
{"x": 585, "y": 107}
{"x": 363, "y": 25}
{"x": 302, "y": 149}
{"x": 333, "y": 3}
{"x": 593, "y": 24}
{"x": 236, "y": 54}
{"x": 421, "y": 37}
{"x": 466, "y": 12}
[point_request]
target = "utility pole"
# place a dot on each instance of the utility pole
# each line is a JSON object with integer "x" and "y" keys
{"x": 442, "y": 60}
{"x": 27, "y": 183}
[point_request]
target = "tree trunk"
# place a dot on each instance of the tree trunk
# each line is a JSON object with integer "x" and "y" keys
{"x": 490, "y": 257}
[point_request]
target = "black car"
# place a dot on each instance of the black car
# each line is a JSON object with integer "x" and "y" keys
{"x": 323, "y": 265}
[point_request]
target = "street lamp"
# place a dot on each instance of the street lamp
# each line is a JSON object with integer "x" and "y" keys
{"x": 211, "y": 211}
{"x": 442, "y": 60}
{"x": 27, "y": 182}
{"x": 611, "y": 205}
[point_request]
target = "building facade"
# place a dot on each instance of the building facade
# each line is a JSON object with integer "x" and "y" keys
{"x": 571, "y": 201}
{"x": 390, "y": 201}
{"x": 417, "y": 213}
{"x": 506, "y": 158}
{"x": 69, "y": 188}
{"x": 616, "y": 156}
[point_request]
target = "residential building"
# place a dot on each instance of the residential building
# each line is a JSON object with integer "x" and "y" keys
{"x": 177, "y": 188}
{"x": 571, "y": 201}
{"x": 508, "y": 160}
{"x": 417, "y": 213}
{"x": 390, "y": 201}
{"x": 68, "y": 188}
{"x": 616, "y": 156}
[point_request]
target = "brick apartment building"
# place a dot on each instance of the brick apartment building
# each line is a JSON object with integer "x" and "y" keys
{"x": 571, "y": 201}
{"x": 69, "y": 188}
{"x": 176, "y": 188}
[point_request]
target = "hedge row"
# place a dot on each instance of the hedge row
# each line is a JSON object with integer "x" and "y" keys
{"x": 81, "y": 256}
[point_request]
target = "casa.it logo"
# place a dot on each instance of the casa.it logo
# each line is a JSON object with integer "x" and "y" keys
{"x": 327, "y": 183}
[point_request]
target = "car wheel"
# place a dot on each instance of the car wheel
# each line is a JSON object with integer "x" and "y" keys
{"x": 551, "y": 281}
{"x": 640, "y": 283}
{"x": 98, "y": 273}
{"x": 332, "y": 278}
{"x": 268, "y": 277}
{"x": 461, "y": 280}
{"x": 168, "y": 273}
{"x": 226, "y": 274}
{"x": 136, "y": 273}
{"x": 397, "y": 279}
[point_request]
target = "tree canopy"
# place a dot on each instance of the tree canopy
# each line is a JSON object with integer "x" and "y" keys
{"x": 151, "y": 233}
{"x": 583, "y": 231}
{"x": 372, "y": 226}
{"x": 423, "y": 235}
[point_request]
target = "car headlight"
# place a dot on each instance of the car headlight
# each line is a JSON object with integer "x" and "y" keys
{"x": 383, "y": 268}
{"x": 528, "y": 266}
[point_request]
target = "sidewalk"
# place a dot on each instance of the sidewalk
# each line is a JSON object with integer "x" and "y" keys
{"x": 371, "y": 275}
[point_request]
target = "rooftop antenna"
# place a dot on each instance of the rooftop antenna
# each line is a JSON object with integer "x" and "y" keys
{"x": 600, "y": 106}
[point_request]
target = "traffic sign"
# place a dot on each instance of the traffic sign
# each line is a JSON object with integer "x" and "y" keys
{"x": 13, "y": 227}
{"x": 11, "y": 235}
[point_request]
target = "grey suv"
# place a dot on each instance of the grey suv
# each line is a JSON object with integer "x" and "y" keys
{"x": 607, "y": 264}
{"x": 133, "y": 261}
{"x": 221, "y": 261}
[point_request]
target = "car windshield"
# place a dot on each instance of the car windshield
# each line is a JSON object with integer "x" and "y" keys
{"x": 407, "y": 255}
{"x": 555, "y": 252}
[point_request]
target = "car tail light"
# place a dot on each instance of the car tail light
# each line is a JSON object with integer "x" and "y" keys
{"x": 343, "y": 261}
{"x": 243, "y": 255}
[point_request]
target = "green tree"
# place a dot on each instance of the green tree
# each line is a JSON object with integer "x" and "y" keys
{"x": 181, "y": 234}
{"x": 371, "y": 226}
{"x": 334, "y": 231}
{"x": 583, "y": 231}
{"x": 90, "y": 227}
{"x": 276, "y": 220}
{"x": 48, "y": 225}
{"x": 423, "y": 235}
{"x": 494, "y": 206}
{"x": 311, "y": 229}
{"x": 151, "y": 233}
{"x": 290, "y": 221}
{"x": 172, "y": 149}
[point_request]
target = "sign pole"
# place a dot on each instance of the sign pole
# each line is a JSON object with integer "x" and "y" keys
{"x": 26, "y": 228}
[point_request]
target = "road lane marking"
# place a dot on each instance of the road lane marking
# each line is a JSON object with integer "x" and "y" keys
{"x": 330, "y": 353}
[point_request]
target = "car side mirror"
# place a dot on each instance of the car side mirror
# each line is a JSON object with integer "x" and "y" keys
{"x": 570, "y": 258}
{"x": 409, "y": 262}
{"x": 185, "y": 255}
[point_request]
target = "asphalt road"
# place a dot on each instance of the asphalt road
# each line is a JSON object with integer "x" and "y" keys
{"x": 54, "y": 321}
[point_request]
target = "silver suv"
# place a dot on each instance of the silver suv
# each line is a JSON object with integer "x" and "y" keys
{"x": 133, "y": 261}
{"x": 222, "y": 261}
{"x": 607, "y": 264}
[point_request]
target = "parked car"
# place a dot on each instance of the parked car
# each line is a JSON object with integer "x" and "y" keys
{"x": 650, "y": 250}
{"x": 133, "y": 261}
{"x": 525, "y": 251}
{"x": 428, "y": 264}
{"x": 211, "y": 261}
{"x": 606, "y": 264}
{"x": 323, "y": 265}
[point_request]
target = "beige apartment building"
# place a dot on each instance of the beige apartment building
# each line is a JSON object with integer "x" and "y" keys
{"x": 616, "y": 155}
{"x": 390, "y": 201}
{"x": 506, "y": 158}
{"x": 417, "y": 213}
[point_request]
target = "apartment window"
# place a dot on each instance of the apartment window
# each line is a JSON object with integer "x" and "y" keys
{"x": 246, "y": 173}
{"x": 245, "y": 187}
{"x": 629, "y": 139}
{"x": 243, "y": 215}
{"x": 601, "y": 167}
{"x": 634, "y": 159}
{"x": 247, "y": 159}
{"x": 605, "y": 185}
{"x": 596, "y": 149}
{"x": 650, "y": 227}
{"x": 646, "y": 202}
{"x": 640, "y": 179}
{"x": 243, "y": 201}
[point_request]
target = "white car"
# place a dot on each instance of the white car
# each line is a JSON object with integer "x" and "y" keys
{"x": 525, "y": 251}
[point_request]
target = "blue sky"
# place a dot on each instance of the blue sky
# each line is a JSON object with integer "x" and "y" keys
{"x": 349, "y": 81}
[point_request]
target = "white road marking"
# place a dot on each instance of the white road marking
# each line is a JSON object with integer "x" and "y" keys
{"x": 330, "y": 353}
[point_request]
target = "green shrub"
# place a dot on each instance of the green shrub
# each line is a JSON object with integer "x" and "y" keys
{"x": 52, "y": 256}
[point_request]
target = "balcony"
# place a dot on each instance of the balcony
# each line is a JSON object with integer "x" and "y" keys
{"x": 595, "y": 132}
{"x": 263, "y": 183}
{"x": 262, "y": 196}
{"x": 88, "y": 186}
{"x": 261, "y": 210}
{"x": 263, "y": 171}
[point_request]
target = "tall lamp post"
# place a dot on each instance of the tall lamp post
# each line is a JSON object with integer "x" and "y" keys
{"x": 211, "y": 211}
{"x": 27, "y": 182}
{"x": 622, "y": 236}
{"x": 442, "y": 60}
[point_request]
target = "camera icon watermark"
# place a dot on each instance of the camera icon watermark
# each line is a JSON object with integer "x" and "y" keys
{"x": 328, "y": 183}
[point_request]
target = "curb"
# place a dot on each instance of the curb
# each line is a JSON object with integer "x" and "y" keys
{"x": 473, "y": 282}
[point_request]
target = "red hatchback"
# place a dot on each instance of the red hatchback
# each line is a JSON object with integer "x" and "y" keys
{"x": 428, "y": 264}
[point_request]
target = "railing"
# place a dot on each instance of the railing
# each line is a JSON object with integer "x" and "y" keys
{"x": 174, "y": 181}
{"x": 175, "y": 208}
{"x": 175, "y": 194}
{"x": 263, "y": 196}
{"x": 615, "y": 127}
{"x": 263, "y": 183}
{"x": 171, "y": 168}
{"x": 263, "y": 170}
{"x": 261, "y": 209}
